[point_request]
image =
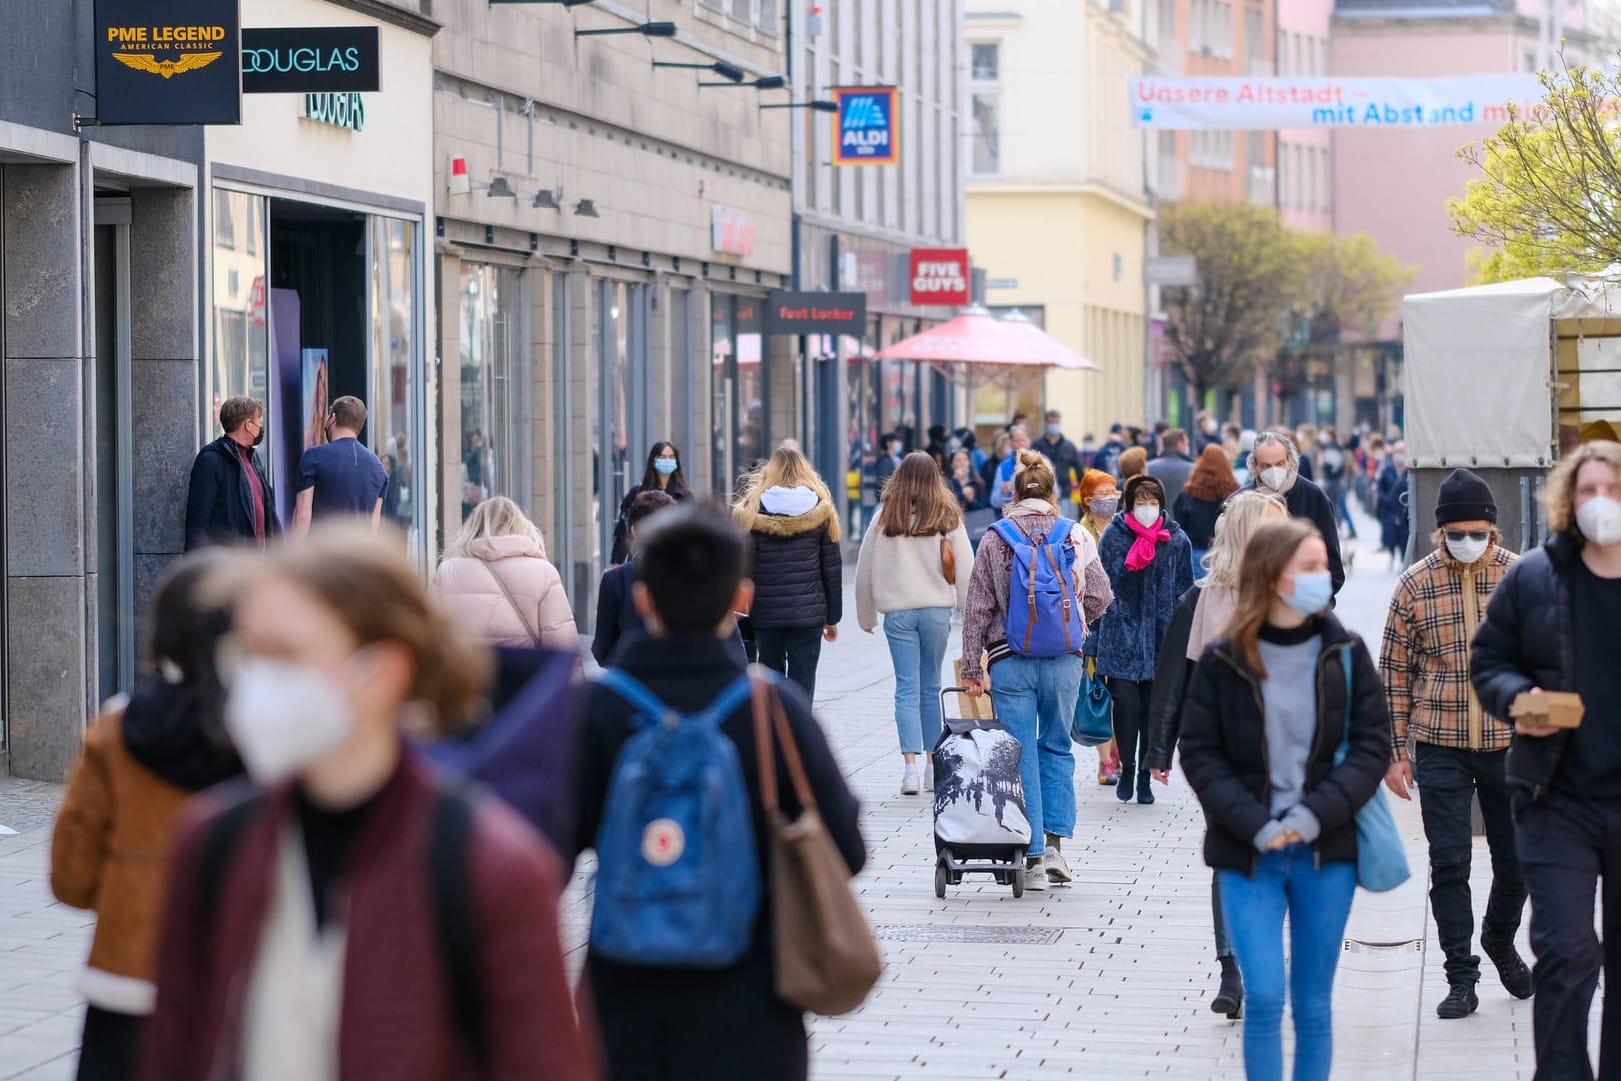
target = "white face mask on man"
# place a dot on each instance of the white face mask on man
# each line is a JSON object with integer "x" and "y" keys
{"x": 1468, "y": 550}
{"x": 1274, "y": 478}
{"x": 1600, "y": 520}
{"x": 283, "y": 717}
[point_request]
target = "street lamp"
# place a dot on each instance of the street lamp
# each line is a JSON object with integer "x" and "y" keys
{"x": 819, "y": 106}
{"x": 720, "y": 67}
{"x": 651, "y": 30}
{"x": 764, "y": 82}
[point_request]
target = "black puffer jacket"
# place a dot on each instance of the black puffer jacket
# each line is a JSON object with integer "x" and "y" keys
{"x": 1527, "y": 641}
{"x": 1171, "y": 678}
{"x": 1224, "y": 749}
{"x": 797, "y": 569}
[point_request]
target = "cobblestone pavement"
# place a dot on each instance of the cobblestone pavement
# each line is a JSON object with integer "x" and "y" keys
{"x": 1108, "y": 978}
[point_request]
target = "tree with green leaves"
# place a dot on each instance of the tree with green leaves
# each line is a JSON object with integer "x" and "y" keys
{"x": 1232, "y": 317}
{"x": 1546, "y": 198}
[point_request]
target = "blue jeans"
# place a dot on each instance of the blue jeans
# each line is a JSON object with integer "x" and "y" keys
{"x": 1318, "y": 902}
{"x": 1035, "y": 698}
{"x": 917, "y": 645}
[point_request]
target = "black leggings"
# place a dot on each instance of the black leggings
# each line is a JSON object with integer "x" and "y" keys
{"x": 1131, "y": 720}
{"x": 793, "y": 651}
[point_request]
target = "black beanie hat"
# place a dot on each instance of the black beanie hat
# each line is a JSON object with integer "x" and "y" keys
{"x": 1465, "y": 498}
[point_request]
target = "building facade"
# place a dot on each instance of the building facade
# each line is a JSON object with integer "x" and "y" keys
{"x": 856, "y": 225}
{"x": 99, "y": 290}
{"x": 1305, "y": 176}
{"x": 1059, "y": 204}
{"x": 1429, "y": 39}
{"x": 607, "y": 230}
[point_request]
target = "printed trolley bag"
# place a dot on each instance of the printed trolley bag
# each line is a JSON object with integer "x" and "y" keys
{"x": 980, "y": 822}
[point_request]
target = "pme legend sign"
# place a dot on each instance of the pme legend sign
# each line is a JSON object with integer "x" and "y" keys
{"x": 168, "y": 62}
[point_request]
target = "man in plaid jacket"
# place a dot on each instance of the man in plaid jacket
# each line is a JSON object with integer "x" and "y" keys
{"x": 1442, "y": 740}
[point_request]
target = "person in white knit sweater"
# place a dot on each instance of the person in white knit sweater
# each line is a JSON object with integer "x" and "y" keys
{"x": 914, "y": 568}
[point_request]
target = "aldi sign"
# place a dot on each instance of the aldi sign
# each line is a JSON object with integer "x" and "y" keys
{"x": 940, "y": 276}
{"x": 866, "y": 129}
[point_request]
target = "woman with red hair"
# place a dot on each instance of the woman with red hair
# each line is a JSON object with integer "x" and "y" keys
{"x": 1100, "y": 498}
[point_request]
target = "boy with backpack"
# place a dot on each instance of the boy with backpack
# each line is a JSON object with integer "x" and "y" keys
{"x": 1036, "y": 586}
{"x": 680, "y": 964}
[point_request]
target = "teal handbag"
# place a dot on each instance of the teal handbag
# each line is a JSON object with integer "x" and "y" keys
{"x": 1093, "y": 725}
{"x": 1381, "y": 854}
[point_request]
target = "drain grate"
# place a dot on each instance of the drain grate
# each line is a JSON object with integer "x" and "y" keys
{"x": 946, "y": 932}
{"x": 1415, "y": 945}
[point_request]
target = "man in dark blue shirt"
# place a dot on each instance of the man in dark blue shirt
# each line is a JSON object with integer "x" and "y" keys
{"x": 340, "y": 476}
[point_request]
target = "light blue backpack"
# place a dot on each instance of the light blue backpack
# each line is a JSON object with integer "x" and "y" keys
{"x": 678, "y": 877}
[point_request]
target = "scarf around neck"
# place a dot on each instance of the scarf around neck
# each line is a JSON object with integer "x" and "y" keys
{"x": 1143, "y": 548}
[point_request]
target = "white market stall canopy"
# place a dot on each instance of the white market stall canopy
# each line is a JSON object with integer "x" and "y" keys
{"x": 1502, "y": 375}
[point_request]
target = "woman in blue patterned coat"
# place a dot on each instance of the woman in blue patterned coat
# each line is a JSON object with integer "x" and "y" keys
{"x": 1149, "y": 561}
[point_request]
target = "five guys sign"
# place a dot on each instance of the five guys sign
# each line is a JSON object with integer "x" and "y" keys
{"x": 940, "y": 277}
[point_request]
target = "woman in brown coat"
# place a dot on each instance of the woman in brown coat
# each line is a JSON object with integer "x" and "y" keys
{"x": 142, "y": 759}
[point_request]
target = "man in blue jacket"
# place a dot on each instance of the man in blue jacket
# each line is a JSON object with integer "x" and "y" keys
{"x": 230, "y": 500}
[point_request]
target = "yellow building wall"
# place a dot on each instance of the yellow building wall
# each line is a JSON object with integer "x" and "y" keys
{"x": 1062, "y": 247}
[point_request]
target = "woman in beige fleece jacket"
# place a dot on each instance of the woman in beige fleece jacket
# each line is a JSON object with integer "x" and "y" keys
{"x": 904, "y": 572}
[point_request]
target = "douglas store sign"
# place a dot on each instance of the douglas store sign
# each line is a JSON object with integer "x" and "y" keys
{"x": 310, "y": 60}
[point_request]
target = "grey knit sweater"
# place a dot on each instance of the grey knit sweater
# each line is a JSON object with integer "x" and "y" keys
{"x": 1289, "y": 693}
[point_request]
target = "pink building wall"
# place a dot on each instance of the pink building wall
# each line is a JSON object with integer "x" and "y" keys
{"x": 1393, "y": 184}
{"x": 1305, "y": 169}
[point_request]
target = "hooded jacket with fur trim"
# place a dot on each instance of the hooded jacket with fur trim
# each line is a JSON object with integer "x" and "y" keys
{"x": 797, "y": 569}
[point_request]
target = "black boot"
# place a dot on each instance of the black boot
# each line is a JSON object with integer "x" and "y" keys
{"x": 1511, "y": 969}
{"x": 1460, "y": 1002}
{"x": 1229, "y": 998}
{"x": 1123, "y": 792}
{"x": 1145, "y": 795}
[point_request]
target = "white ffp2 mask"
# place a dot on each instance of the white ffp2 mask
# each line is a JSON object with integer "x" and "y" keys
{"x": 1600, "y": 520}
{"x": 282, "y": 717}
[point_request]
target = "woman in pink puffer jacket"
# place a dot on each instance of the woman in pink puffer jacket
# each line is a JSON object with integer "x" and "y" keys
{"x": 496, "y": 582}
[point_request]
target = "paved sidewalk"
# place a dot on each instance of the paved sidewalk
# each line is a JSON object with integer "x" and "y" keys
{"x": 1107, "y": 979}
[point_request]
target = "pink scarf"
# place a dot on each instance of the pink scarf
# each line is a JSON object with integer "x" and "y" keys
{"x": 1142, "y": 549}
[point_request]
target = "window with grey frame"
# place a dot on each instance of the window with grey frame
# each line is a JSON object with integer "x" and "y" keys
{"x": 495, "y": 437}
{"x": 985, "y": 107}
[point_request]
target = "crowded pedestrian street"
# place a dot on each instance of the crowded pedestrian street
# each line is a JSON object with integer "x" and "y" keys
{"x": 1108, "y": 978}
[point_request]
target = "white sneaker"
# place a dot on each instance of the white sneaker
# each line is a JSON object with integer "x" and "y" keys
{"x": 1035, "y": 874}
{"x": 1058, "y": 872}
{"x": 909, "y": 780}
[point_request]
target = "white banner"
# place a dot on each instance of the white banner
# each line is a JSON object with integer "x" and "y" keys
{"x": 1271, "y": 104}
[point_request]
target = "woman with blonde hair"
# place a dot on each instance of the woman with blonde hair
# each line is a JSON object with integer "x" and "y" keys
{"x": 914, "y": 567}
{"x": 496, "y": 582}
{"x": 1285, "y": 737}
{"x": 306, "y": 917}
{"x": 1202, "y": 614}
{"x": 1035, "y": 690}
{"x": 797, "y": 568}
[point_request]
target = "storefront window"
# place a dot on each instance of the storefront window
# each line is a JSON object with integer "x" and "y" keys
{"x": 742, "y": 425}
{"x": 394, "y": 427}
{"x": 491, "y": 320}
{"x": 239, "y": 364}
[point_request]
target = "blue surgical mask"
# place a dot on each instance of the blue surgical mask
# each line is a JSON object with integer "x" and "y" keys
{"x": 666, "y": 466}
{"x": 1007, "y": 452}
{"x": 1053, "y": 429}
{"x": 1313, "y": 592}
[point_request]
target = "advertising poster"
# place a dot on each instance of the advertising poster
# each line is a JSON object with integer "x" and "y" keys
{"x": 285, "y": 434}
{"x": 316, "y": 384}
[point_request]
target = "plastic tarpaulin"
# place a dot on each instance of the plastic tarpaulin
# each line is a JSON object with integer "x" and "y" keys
{"x": 1478, "y": 365}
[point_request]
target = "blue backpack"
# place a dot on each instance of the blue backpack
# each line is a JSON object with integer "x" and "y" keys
{"x": 678, "y": 878}
{"x": 1044, "y": 616}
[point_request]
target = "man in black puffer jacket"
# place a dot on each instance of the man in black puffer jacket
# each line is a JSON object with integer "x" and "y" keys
{"x": 797, "y": 568}
{"x": 1552, "y": 625}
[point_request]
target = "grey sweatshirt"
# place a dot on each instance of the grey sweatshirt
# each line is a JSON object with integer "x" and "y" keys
{"x": 1289, "y": 694}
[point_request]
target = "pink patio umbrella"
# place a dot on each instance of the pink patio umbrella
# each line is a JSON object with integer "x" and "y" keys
{"x": 975, "y": 349}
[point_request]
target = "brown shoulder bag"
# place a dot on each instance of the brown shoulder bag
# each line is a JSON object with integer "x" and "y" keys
{"x": 948, "y": 559}
{"x": 826, "y": 958}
